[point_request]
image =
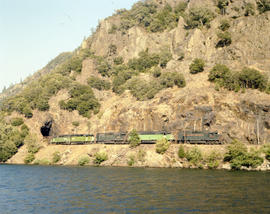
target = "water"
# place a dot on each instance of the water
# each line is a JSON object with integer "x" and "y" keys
{"x": 42, "y": 189}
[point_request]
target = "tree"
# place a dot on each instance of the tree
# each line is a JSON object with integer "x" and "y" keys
{"x": 199, "y": 17}
{"x": 263, "y": 5}
{"x": 225, "y": 39}
{"x": 134, "y": 139}
{"x": 196, "y": 66}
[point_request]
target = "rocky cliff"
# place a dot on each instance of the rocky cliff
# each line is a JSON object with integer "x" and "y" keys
{"x": 243, "y": 115}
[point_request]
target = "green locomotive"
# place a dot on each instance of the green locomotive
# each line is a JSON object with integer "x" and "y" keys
{"x": 74, "y": 139}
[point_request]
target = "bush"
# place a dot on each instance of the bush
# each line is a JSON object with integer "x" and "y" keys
{"x": 142, "y": 89}
{"x": 131, "y": 160}
{"x": 165, "y": 57}
{"x": 224, "y": 25}
{"x": 134, "y": 139}
{"x": 162, "y": 145}
{"x": 42, "y": 162}
{"x": 199, "y": 17}
{"x": 56, "y": 157}
{"x": 251, "y": 78}
{"x": 100, "y": 157}
{"x": 237, "y": 155}
{"x": 29, "y": 158}
{"x": 141, "y": 155}
{"x": 156, "y": 72}
{"x": 112, "y": 49}
{"x": 180, "y": 8}
{"x": 98, "y": 83}
{"x": 164, "y": 19}
{"x": 213, "y": 160}
{"x": 16, "y": 121}
{"x": 144, "y": 62}
{"x": 266, "y": 150}
{"x": 169, "y": 79}
{"x": 82, "y": 98}
{"x": 31, "y": 143}
{"x": 196, "y": 66}
{"x": 118, "y": 60}
{"x": 263, "y": 5}
{"x": 83, "y": 160}
{"x": 181, "y": 152}
{"x": 194, "y": 156}
{"x": 249, "y": 9}
{"x": 225, "y": 39}
{"x": 222, "y": 5}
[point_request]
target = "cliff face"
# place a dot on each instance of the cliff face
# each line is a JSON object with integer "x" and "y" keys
{"x": 242, "y": 115}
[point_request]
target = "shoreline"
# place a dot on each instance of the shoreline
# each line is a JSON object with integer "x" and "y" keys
{"x": 142, "y": 156}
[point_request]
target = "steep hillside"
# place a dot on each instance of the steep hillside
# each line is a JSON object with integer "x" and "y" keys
{"x": 163, "y": 65}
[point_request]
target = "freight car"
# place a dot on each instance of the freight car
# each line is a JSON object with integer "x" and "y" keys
{"x": 73, "y": 139}
{"x": 198, "y": 137}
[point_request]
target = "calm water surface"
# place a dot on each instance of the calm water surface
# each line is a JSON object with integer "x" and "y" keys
{"x": 42, "y": 189}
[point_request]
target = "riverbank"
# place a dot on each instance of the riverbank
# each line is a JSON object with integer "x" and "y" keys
{"x": 205, "y": 156}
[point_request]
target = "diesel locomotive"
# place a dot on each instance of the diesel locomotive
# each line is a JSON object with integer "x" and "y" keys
{"x": 190, "y": 137}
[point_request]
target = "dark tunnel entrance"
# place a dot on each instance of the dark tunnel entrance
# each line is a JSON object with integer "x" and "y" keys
{"x": 46, "y": 129}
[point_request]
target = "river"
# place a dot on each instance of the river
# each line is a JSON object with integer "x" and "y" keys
{"x": 49, "y": 189}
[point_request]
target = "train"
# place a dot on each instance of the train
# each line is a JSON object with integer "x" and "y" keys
{"x": 190, "y": 137}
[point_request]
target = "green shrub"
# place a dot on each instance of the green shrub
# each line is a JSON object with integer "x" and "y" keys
{"x": 181, "y": 152}
{"x": 249, "y": 9}
{"x": 42, "y": 162}
{"x": 82, "y": 98}
{"x": 56, "y": 157}
{"x": 98, "y": 83}
{"x": 27, "y": 112}
{"x": 143, "y": 90}
{"x": 162, "y": 146}
{"x": 252, "y": 78}
{"x": 140, "y": 14}
{"x": 112, "y": 49}
{"x": 141, "y": 155}
{"x": 113, "y": 29}
{"x": 219, "y": 71}
{"x": 197, "y": 66}
{"x": 225, "y": 39}
{"x": 199, "y": 17}
{"x": 180, "y": 8}
{"x": 83, "y": 160}
{"x": 118, "y": 60}
{"x": 169, "y": 79}
{"x": 29, "y": 158}
{"x": 266, "y": 151}
{"x": 76, "y": 123}
{"x": 134, "y": 139}
{"x": 263, "y": 5}
{"x": 100, "y": 157}
{"x": 194, "y": 155}
{"x": 224, "y": 25}
{"x": 213, "y": 160}
{"x": 32, "y": 144}
{"x": 222, "y": 5}
{"x": 131, "y": 160}
{"x": 144, "y": 62}
{"x": 165, "y": 57}
{"x": 156, "y": 72}
{"x": 164, "y": 19}
{"x": 237, "y": 155}
{"x": 7, "y": 150}
{"x": 16, "y": 121}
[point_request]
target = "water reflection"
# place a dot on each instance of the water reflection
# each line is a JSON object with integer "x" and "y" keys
{"x": 37, "y": 189}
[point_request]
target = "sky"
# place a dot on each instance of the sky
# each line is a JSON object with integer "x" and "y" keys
{"x": 33, "y": 32}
